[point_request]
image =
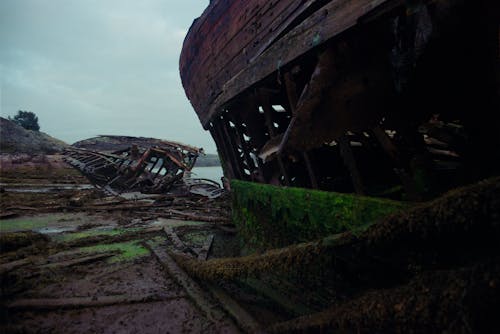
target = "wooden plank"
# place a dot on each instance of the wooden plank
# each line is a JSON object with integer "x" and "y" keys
{"x": 174, "y": 238}
{"x": 9, "y": 266}
{"x": 249, "y": 28}
{"x": 331, "y": 20}
{"x": 194, "y": 291}
{"x": 244, "y": 320}
{"x": 252, "y": 40}
{"x": 81, "y": 260}
{"x": 350, "y": 162}
{"x": 203, "y": 254}
{"x": 81, "y": 302}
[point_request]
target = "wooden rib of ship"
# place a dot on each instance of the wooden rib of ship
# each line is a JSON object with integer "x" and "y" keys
{"x": 378, "y": 97}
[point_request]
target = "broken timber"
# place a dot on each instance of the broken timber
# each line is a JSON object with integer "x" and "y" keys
{"x": 154, "y": 168}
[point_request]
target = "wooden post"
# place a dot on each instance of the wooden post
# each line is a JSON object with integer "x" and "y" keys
{"x": 350, "y": 162}
{"x": 219, "y": 126}
{"x": 291, "y": 91}
{"x": 227, "y": 167}
{"x": 268, "y": 109}
{"x": 391, "y": 150}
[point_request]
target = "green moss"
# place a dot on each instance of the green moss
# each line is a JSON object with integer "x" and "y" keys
{"x": 25, "y": 224}
{"x": 128, "y": 250}
{"x": 269, "y": 216}
{"x": 91, "y": 233}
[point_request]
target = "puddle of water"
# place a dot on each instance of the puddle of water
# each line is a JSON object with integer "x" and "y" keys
{"x": 138, "y": 195}
{"x": 56, "y": 229}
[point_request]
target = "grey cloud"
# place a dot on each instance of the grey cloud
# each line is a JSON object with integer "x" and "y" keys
{"x": 91, "y": 67}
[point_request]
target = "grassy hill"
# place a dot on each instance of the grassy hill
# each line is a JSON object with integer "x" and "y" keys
{"x": 16, "y": 139}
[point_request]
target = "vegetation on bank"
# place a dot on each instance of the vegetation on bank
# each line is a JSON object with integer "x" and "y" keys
{"x": 26, "y": 119}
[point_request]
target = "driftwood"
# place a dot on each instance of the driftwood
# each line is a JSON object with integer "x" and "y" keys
{"x": 195, "y": 217}
{"x": 194, "y": 291}
{"x": 20, "y": 207}
{"x": 244, "y": 320}
{"x": 81, "y": 260}
{"x": 80, "y": 302}
{"x": 203, "y": 253}
{"x": 174, "y": 238}
{"x": 7, "y": 267}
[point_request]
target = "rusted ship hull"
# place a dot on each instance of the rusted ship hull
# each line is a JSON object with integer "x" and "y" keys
{"x": 391, "y": 98}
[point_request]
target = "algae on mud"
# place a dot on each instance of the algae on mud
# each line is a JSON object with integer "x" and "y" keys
{"x": 129, "y": 250}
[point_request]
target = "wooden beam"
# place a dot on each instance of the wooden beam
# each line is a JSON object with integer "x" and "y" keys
{"x": 392, "y": 151}
{"x": 350, "y": 162}
{"x": 219, "y": 126}
{"x": 268, "y": 110}
{"x": 81, "y": 302}
{"x": 226, "y": 163}
{"x": 291, "y": 92}
{"x": 208, "y": 306}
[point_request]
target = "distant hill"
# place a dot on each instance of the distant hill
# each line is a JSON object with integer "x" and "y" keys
{"x": 207, "y": 160}
{"x": 16, "y": 139}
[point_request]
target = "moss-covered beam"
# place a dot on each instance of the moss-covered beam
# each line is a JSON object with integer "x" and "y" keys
{"x": 269, "y": 216}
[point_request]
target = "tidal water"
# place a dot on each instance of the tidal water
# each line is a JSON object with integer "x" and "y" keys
{"x": 211, "y": 173}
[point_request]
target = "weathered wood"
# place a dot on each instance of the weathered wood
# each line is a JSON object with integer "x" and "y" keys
{"x": 196, "y": 217}
{"x": 229, "y": 149}
{"x": 268, "y": 110}
{"x": 391, "y": 150}
{"x": 291, "y": 92}
{"x": 81, "y": 260}
{"x": 350, "y": 162}
{"x": 194, "y": 291}
{"x": 244, "y": 320}
{"x": 221, "y": 150}
{"x": 310, "y": 170}
{"x": 203, "y": 253}
{"x": 82, "y": 302}
{"x": 174, "y": 238}
{"x": 329, "y": 21}
{"x": 249, "y": 28}
{"x": 10, "y": 266}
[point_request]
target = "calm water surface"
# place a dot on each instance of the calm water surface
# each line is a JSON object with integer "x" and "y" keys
{"x": 211, "y": 173}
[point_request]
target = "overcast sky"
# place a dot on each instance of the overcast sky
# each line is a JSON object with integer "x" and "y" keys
{"x": 90, "y": 67}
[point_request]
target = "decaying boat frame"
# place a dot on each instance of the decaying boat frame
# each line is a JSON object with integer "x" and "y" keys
{"x": 152, "y": 169}
{"x": 378, "y": 97}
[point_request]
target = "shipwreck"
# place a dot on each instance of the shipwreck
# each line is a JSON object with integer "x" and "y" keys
{"x": 119, "y": 164}
{"x": 387, "y": 98}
